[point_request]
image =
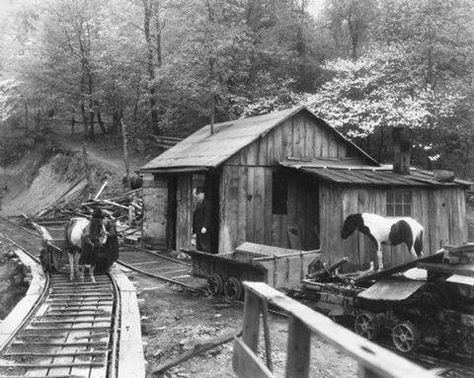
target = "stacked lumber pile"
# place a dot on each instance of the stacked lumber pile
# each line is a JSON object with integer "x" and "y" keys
{"x": 126, "y": 210}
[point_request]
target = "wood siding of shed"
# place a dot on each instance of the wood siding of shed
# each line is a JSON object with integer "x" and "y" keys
{"x": 184, "y": 211}
{"x": 246, "y": 186}
{"x": 300, "y": 136}
{"x": 155, "y": 203}
{"x": 246, "y": 209}
{"x": 441, "y": 212}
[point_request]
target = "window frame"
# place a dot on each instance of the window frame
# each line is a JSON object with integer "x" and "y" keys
{"x": 399, "y": 203}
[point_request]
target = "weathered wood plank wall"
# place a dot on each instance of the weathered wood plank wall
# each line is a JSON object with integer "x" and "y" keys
{"x": 155, "y": 203}
{"x": 246, "y": 186}
{"x": 441, "y": 212}
{"x": 184, "y": 211}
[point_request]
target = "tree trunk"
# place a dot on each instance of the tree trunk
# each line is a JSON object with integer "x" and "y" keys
{"x": 148, "y": 11}
{"x": 73, "y": 123}
{"x": 91, "y": 122}
{"x": 125, "y": 152}
{"x": 85, "y": 120}
{"x": 99, "y": 119}
{"x": 26, "y": 117}
{"x": 37, "y": 120}
{"x": 88, "y": 171}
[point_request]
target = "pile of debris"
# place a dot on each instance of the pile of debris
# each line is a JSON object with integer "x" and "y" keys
{"x": 126, "y": 210}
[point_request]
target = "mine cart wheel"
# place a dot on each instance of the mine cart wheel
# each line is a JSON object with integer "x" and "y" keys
{"x": 233, "y": 288}
{"x": 406, "y": 337}
{"x": 367, "y": 325}
{"x": 215, "y": 284}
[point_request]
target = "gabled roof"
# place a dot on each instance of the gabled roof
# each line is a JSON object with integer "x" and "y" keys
{"x": 342, "y": 173}
{"x": 202, "y": 150}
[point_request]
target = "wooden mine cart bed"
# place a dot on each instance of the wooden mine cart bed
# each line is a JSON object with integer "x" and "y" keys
{"x": 277, "y": 267}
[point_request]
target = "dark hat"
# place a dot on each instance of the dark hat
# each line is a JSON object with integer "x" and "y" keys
{"x": 200, "y": 189}
{"x": 98, "y": 214}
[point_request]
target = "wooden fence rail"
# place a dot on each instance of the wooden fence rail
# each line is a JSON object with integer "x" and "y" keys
{"x": 165, "y": 142}
{"x": 374, "y": 361}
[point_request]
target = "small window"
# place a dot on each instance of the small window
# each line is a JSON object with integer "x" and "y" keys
{"x": 399, "y": 203}
{"x": 279, "y": 193}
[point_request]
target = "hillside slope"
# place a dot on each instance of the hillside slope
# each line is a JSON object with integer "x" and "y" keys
{"x": 40, "y": 178}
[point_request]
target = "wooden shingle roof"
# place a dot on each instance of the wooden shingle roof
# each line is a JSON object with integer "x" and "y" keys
{"x": 342, "y": 173}
{"x": 202, "y": 150}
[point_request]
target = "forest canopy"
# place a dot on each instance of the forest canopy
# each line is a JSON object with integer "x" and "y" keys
{"x": 161, "y": 66}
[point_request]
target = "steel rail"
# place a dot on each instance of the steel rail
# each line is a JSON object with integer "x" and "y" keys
{"x": 28, "y": 325}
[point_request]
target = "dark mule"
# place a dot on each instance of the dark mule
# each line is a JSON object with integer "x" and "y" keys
{"x": 386, "y": 230}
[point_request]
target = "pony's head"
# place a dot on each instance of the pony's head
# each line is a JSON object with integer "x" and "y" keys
{"x": 352, "y": 223}
{"x": 98, "y": 232}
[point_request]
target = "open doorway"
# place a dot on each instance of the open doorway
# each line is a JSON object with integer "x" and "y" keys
{"x": 206, "y": 210}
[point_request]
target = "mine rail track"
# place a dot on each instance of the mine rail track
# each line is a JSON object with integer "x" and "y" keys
{"x": 174, "y": 271}
{"x": 71, "y": 331}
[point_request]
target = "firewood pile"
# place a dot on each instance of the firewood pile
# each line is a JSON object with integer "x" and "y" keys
{"x": 126, "y": 210}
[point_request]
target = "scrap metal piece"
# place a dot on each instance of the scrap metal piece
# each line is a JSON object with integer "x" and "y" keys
{"x": 392, "y": 290}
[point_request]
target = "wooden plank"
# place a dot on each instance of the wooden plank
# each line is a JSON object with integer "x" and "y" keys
{"x": 242, "y": 206}
{"x": 232, "y": 204}
{"x": 378, "y": 359}
{"x": 250, "y": 204}
{"x": 267, "y": 206}
{"x": 224, "y": 244}
{"x": 131, "y": 359}
{"x": 259, "y": 201}
{"x": 251, "y": 320}
{"x": 246, "y": 364}
{"x": 262, "y": 150}
{"x": 278, "y": 148}
{"x": 287, "y": 139}
{"x": 299, "y": 349}
{"x": 270, "y": 142}
{"x": 298, "y": 137}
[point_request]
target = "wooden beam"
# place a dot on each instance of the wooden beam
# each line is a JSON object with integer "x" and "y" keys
{"x": 101, "y": 189}
{"x": 299, "y": 348}
{"x": 375, "y": 358}
{"x": 246, "y": 364}
{"x": 196, "y": 350}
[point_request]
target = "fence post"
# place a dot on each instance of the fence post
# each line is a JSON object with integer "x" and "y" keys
{"x": 251, "y": 323}
{"x": 299, "y": 348}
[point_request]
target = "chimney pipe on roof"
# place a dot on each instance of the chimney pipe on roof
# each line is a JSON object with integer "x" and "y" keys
{"x": 401, "y": 150}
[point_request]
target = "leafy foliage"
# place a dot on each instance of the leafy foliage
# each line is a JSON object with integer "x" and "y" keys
{"x": 363, "y": 65}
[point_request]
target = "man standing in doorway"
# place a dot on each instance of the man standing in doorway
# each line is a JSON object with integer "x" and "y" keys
{"x": 202, "y": 221}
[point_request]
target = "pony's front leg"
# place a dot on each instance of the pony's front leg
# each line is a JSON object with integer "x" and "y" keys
{"x": 78, "y": 272}
{"x": 380, "y": 258}
{"x": 91, "y": 271}
{"x": 71, "y": 266}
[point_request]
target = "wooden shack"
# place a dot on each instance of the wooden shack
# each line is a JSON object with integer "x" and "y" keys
{"x": 289, "y": 179}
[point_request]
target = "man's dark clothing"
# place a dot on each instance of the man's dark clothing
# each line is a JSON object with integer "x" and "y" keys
{"x": 202, "y": 218}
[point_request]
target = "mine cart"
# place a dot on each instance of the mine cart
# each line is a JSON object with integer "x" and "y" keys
{"x": 434, "y": 309}
{"x": 52, "y": 257}
{"x": 278, "y": 267}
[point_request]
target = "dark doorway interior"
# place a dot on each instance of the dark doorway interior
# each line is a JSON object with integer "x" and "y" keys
{"x": 172, "y": 213}
{"x": 212, "y": 193}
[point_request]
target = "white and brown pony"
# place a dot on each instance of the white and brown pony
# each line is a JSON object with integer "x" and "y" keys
{"x": 82, "y": 238}
{"x": 386, "y": 230}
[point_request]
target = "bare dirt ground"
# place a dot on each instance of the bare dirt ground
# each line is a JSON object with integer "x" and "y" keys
{"x": 174, "y": 320}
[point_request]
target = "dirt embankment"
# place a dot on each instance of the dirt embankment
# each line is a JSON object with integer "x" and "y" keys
{"x": 47, "y": 173}
{"x": 13, "y": 284}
